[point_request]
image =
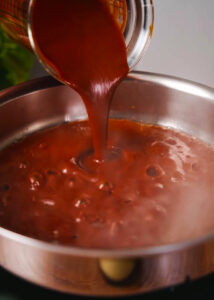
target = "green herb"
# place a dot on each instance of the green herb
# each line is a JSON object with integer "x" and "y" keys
{"x": 15, "y": 62}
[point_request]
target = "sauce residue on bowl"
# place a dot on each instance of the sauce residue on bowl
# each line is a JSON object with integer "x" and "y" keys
{"x": 157, "y": 187}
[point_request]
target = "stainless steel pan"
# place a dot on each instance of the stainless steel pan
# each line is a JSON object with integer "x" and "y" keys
{"x": 144, "y": 97}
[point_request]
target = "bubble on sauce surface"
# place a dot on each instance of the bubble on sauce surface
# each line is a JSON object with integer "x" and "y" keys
{"x": 152, "y": 171}
{"x": 73, "y": 160}
{"x": 64, "y": 171}
{"x": 36, "y": 180}
{"x": 107, "y": 187}
{"x": 81, "y": 203}
{"x": 48, "y": 202}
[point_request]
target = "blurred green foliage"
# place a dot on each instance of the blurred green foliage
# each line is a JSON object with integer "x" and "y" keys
{"x": 15, "y": 62}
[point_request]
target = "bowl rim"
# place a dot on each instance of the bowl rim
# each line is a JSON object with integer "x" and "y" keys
{"x": 46, "y": 82}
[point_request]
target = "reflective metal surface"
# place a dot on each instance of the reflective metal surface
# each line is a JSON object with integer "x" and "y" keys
{"x": 147, "y": 98}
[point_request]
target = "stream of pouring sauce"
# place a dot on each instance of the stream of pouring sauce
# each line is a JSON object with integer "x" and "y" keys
{"x": 83, "y": 44}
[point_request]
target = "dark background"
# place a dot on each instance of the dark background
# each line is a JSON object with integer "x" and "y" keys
{"x": 13, "y": 288}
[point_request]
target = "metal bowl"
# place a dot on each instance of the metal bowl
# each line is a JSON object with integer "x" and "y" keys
{"x": 144, "y": 97}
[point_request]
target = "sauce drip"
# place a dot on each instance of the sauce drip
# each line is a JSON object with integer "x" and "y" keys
{"x": 83, "y": 44}
{"x": 159, "y": 191}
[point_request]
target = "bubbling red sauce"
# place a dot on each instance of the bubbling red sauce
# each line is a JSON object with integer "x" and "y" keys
{"x": 157, "y": 188}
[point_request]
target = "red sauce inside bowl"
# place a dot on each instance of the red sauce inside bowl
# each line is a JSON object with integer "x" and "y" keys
{"x": 156, "y": 188}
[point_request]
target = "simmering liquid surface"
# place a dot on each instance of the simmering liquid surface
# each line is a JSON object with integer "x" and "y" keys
{"x": 157, "y": 187}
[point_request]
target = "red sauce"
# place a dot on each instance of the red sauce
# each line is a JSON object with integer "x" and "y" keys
{"x": 83, "y": 44}
{"x": 158, "y": 190}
